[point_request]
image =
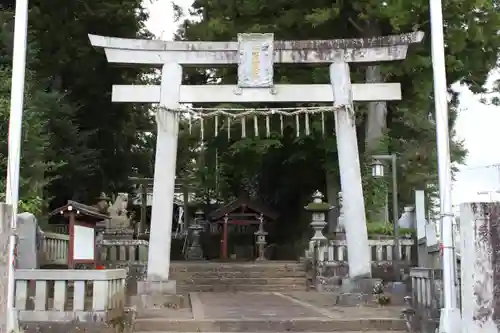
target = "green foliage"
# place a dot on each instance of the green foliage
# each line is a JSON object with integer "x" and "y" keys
{"x": 32, "y": 205}
{"x": 96, "y": 144}
{"x": 387, "y": 229}
{"x": 37, "y": 168}
{"x": 317, "y": 207}
{"x": 76, "y": 143}
{"x": 374, "y": 189}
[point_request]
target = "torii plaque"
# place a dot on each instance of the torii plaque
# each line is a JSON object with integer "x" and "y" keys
{"x": 255, "y": 55}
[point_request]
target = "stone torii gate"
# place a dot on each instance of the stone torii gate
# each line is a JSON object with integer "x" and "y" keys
{"x": 255, "y": 55}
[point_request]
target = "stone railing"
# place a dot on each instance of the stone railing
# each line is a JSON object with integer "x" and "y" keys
{"x": 426, "y": 299}
{"x": 331, "y": 258}
{"x": 54, "y": 249}
{"x": 123, "y": 251}
{"x": 335, "y": 252}
{"x": 44, "y": 295}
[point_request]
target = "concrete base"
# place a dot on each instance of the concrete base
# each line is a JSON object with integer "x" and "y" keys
{"x": 159, "y": 301}
{"x": 356, "y": 292}
{"x": 359, "y": 285}
{"x": 149, "y": 287}
{"x": 450, "y": 321}
{"x": 272, "y": 325}
{"x": 158, "y": 294}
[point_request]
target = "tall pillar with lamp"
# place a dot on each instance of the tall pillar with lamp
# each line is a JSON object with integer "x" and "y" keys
{"x": 379, "y": 172}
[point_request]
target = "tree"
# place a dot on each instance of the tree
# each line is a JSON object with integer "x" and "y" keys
{"x": 472, "y": 44}
{"x": 46, "y": 123}
{"x": 106, "y": 145}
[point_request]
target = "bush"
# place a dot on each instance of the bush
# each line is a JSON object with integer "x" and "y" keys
{"x": 387, "y": 229}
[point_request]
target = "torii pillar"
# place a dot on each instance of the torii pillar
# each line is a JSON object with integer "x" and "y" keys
{"x": 255, "y": 55}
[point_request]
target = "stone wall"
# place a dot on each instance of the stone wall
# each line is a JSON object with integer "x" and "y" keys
{"x": 124, "y": 324}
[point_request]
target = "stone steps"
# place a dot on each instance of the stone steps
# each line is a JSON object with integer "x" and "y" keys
{"x": 237, "y": 274}
{"x": 391, "y": 331}
{"x": 257, "y": 281}
{"x": 270, "y": 267}
{"x": 183, "y": 288}
{"x": 233, "y": 277}
{"x": 263, "y": 325}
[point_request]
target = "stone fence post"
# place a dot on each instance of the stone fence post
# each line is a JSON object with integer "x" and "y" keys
{"x": 5, "y": 214}
{"x": 480, "y": 261}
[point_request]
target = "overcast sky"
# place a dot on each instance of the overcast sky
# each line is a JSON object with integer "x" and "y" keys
{"x": 477, "y": 124}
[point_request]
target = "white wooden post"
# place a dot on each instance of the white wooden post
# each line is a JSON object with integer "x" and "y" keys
{"x": 350, "y": 173}
{"x": 164, "y": 175}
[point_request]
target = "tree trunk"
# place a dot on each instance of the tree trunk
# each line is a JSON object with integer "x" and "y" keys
{"x": 376, "y": 121}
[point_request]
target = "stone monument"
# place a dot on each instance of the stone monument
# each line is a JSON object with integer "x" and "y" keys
{"x": 255, "y": 55}
{"x": 407, "y": 219}
{"x": 102, "y": 204}
{"x": 118, "y": 212}
{"x": 30, "y": 238}
{"x": 480, "y": 262}
{"x": 119, "y": 224}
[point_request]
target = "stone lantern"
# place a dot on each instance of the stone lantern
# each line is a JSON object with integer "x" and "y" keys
{"x": 261, "y": 239}
{"x": 318, "y": 208}
{"x": 195, "y": 251}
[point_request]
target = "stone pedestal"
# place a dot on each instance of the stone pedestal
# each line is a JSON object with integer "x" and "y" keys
{"x": 118, "y": 233}
{"x": 157, "y": 294}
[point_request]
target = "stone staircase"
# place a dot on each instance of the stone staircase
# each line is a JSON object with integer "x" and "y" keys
{"x": 272, "y": 276}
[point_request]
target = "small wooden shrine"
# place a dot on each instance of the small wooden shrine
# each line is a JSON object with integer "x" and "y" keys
{"x": 241, "y": 216}
{"x": 83, "y": 221}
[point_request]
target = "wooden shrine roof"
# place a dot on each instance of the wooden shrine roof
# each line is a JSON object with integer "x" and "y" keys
{"x": 241, "y": 203}
{"x": 86, "y": 212}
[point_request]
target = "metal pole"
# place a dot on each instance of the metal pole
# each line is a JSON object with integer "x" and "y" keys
{"x": 395, "y": 214}
{"x": 450, "y": 315}
{"x": 14, "y": 153}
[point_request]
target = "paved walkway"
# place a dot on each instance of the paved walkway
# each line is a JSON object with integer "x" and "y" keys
{"x": 271, "y": 305}
{"x": 325, "y": 303}
{"x": 269, "y": 312}
{"x": 249, "y": 306}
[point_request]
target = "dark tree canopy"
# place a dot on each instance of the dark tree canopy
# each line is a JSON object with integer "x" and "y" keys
{"x": 96, "y": 143}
